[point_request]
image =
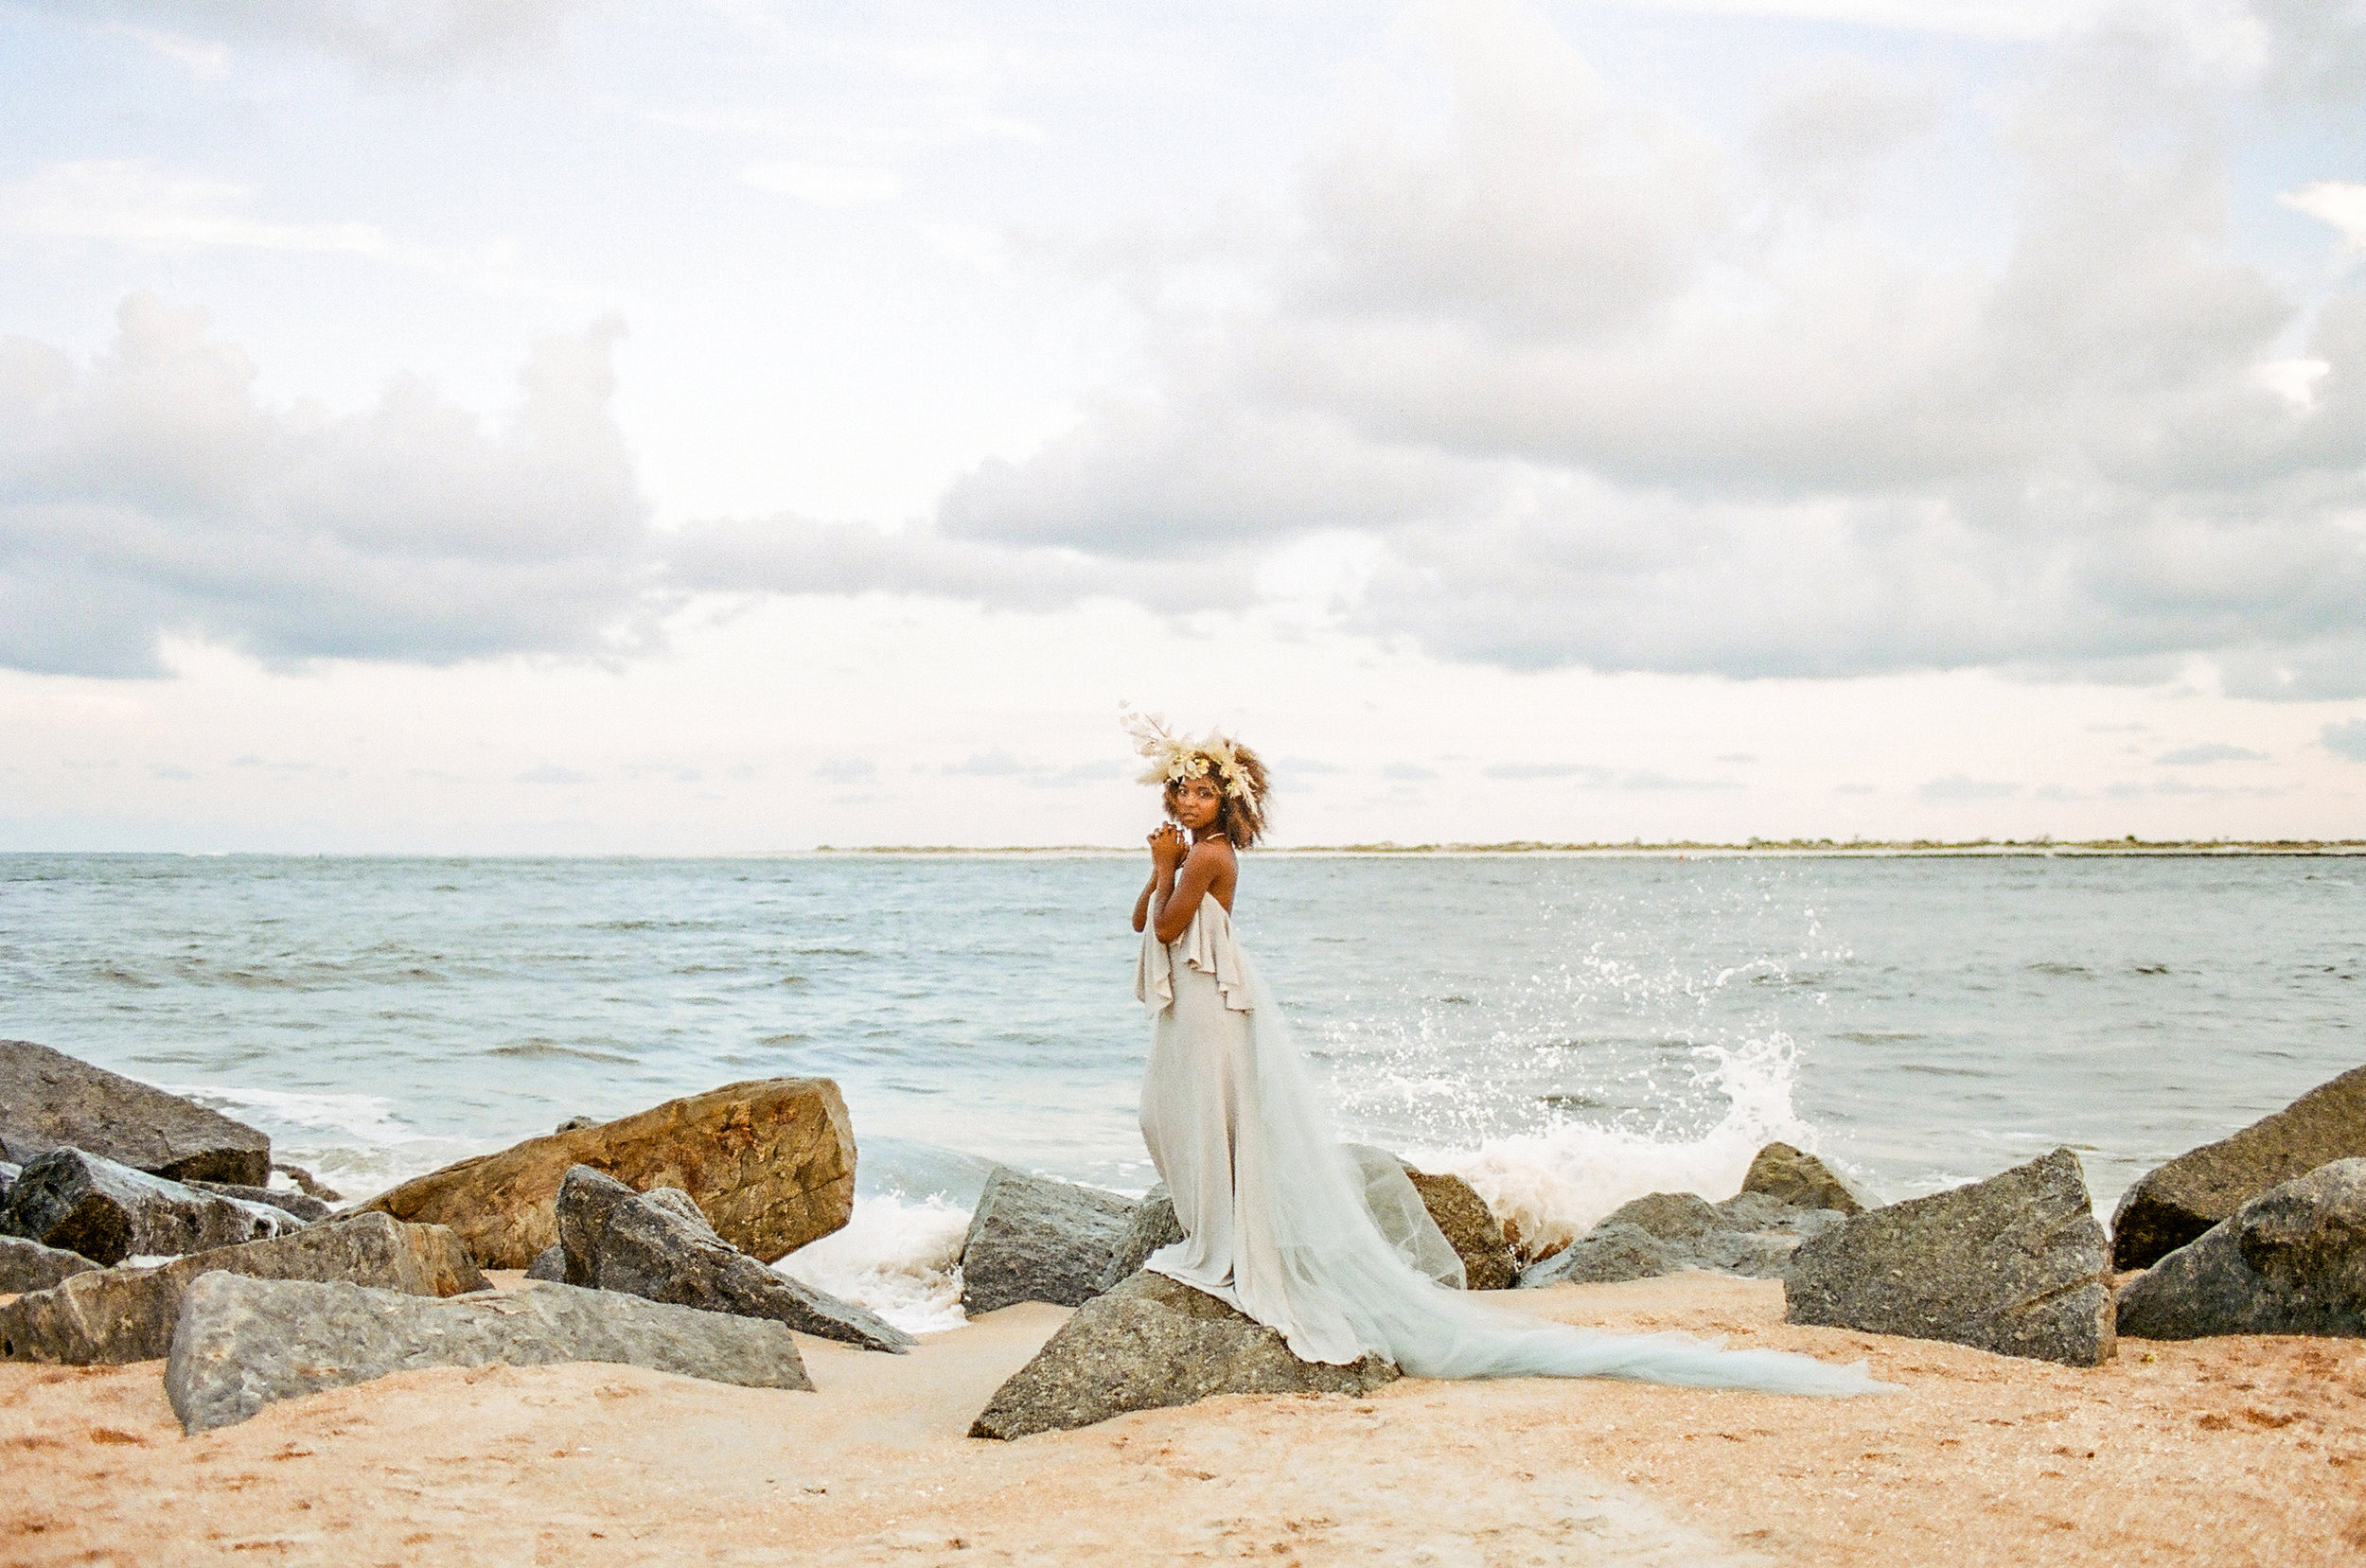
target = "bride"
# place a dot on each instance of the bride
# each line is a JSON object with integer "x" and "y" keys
{"x": 1321, "y": 1241}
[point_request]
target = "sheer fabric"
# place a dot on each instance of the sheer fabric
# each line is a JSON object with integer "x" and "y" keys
{"x": 1314, "y": 1239}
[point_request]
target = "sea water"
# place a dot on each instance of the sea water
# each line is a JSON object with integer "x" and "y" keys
{"x": 1569, "y": 1031}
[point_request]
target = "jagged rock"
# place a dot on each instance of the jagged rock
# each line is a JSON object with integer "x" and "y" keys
{"x": 114, "y": 1316}
{"x": 577, "y": 1123}
{"x": 1750, "y": 1234}
{"x": 771, "y": 1162}
{"x": 2290, "y": 1261}
{"x": 108, "y": 1212}
{"x": 299, "y": 1206}
{"x": 307, "y": 1184}
{"x": 658, "y": 1247}
{"x": 2201, "y": 1186}
{"x": 1031, "y": 1238}
{"x": 1151, "y": 1226}
{"x": 1470, "y": 1228}
{"x": 50, "y": 1100}
{"x": 241, "y": 1344}
{"x": 549, "y": 1263}
{"x": 8, "y": 1179}
{"x": 30, "y": 1266}
{"x": 2013, "y": 1264}
{"x": 1151, "y": 1343}
{"x": 1799, "y": 1180}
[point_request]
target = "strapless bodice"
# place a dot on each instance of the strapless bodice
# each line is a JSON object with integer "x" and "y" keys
{"x": 1207, "y": 944}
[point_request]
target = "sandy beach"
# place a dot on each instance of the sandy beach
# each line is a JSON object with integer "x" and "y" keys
{"x": 2229, "y": 1451}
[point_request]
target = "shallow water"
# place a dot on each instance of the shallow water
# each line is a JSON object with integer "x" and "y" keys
{"x": 1570, "y": 1030}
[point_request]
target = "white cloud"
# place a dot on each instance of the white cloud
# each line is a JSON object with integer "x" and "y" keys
{"x": 2346, "y": 739}
{"x": 826, "y": 184}
{"x": 2337, "y": 203}
{"x": 152, "y": 492}
{"x": 403, "y": 35}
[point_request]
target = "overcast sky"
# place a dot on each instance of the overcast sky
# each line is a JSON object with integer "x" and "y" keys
{"x": 532, "y": 425}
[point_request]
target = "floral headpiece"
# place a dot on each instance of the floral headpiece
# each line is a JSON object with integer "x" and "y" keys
{"x": 1173, "y": 758}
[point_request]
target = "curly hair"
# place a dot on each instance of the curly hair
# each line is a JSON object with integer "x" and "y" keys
{"x": 1241, "y": 819}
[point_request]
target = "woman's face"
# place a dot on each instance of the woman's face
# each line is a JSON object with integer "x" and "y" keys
{"x": 1196, "y": 804}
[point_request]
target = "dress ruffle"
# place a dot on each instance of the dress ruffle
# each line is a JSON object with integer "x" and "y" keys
{"x": 1208, "y": 946}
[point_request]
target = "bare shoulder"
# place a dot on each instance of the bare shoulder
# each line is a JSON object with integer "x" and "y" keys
{"x": 1216, "y": 851}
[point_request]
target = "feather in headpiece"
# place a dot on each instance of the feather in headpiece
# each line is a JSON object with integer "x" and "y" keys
{"x": 1172, "y": 756}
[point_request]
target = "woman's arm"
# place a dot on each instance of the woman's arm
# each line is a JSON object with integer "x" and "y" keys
{"x": 1208, "y": 857}
{"x": 1166, "y": 853}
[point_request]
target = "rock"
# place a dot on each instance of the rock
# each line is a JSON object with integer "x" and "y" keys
{"x": 108, "y": 1212}
{"x": 241, "y": 1344}
{"x": 306, "y": 1183}
{"x": 1471, "y": 1228}
{"x": 50, "y": 1100}
{"x": 2290, "y": 1261}
{"x": 1151, "y": 1343}
{"x": 1750, "y": 1234}
{"x": 658, "y": 1247}
{"x": 1799, "y": 1180}
{"x": 771, "y": 1162}
{"x": 299, "y": 1206}
{"x": 1031, "y": 1238}
{"x": 577, "y": 1123}
{"x": 1150, "y": 1226}
{"x": 109, "y": 1316}
{"x": 550, "y": 1263}
{"x": 8, "y": 1179}
{"x": 2014, "y": 1264}
{"x": 2201, "y": 1186}
{"x": 30, "y": 1266}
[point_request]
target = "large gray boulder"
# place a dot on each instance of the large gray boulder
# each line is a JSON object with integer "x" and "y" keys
{"x": 658, "y": 1247}
{"x": 2290, "y": 1261}
{"x": 2014, "y": 1264}
{"x": 50, "y": 1100}
{"x": 1151, "y": 1226}
{"x": 115, "y": 1316}
{"x": 1031, "y": 1238}
{"x": 108, "y": 1212}
{"x": 1750, "y": 1234}
{"x": 1151, "y": 1343}
{"x": 2201, "y": 1186}
{"x": 241, "y": 1344}
{"x": 1799, "y": 1180}
{"x": 30, "y": 1266}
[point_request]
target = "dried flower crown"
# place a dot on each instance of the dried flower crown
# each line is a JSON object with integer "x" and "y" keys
{"x": 1173, "y": 758}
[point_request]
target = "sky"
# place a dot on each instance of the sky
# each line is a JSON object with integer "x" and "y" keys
{"x": 555, "y": 426}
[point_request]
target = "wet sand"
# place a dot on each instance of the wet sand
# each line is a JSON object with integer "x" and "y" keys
{"x": 2229, "y": 1451}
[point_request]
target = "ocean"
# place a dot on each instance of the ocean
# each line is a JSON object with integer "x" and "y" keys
{"x": 1567, "y": 1030}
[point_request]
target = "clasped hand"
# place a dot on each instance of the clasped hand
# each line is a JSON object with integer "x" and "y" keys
{"x": 1168, "y": 847}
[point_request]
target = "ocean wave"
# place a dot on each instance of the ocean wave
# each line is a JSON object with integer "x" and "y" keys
{"x": 539, "y": 1048}
{"x": 899, "y": 1256}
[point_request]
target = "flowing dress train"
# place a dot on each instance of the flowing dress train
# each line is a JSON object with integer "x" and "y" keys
{"x": 1333, "y": 1250}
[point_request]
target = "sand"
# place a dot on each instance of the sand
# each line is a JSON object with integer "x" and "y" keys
{"x": 2230, "y": 1451}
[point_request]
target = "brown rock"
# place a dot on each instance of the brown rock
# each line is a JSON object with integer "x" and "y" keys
{"x": 110, "y": 1316}
{"x": 771, "y": 1162}
{"x": 1151, "y": 1343}
{"x": 1801, "y": 1180}
{"x": 1470, "y": 1228}
{"x": 49, "y": 1100}
{"x": 2201, "y": 1186}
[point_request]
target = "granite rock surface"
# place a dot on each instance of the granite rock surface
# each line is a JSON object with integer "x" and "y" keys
{"x": 1031, "y": 1238}
{"x": 107, "y": 1212}
{"x": 50, "y": 1100}
{"x": 2290, "y": 1261}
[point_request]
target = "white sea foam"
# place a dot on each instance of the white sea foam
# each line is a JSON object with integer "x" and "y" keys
{"x": 353, "y": 1142}
{"x": 1552, "y": 1186}
{"x": 898, "y": 1256}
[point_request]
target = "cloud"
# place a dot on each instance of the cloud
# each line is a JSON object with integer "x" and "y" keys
{"x": 1597, "y": 390}
{"x": 848, "y": 770}
{"x": 1960, "y": 786}
{"x": 551, "y": 773}
{"x": 2346, "y": 739}
{"x": 2195, "y": 756}
{"x": 1546, "y": 770}
{"x": 2332, "y": 202}
{"x": 407, "y": 36}
{"x": 152, "y": 492}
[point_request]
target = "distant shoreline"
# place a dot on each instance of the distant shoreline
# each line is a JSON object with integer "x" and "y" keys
{"x": 1778, "y": 847}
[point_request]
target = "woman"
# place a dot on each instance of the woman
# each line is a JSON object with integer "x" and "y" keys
{"x": 1281, "y": 1220}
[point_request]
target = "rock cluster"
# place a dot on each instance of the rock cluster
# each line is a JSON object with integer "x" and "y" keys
{"x": 658, "y": 1247}
{"x": 1786, "y": 1198}
{"x": 1151, "y": 1226}
{"x": 108, "y": 1212}
{"x": 2290, "y": 1261}
{"x": 1149, "y": 1343}
{"x": 30, "y": 1266}
{"x": 241, "y": 1344}
{"x": 1031, "y": 1238}
{"x": 2177, "y": 1203}
{"x": 50, "y": 1100}
{"x": 1470, "y": 1228}
{"x": 114, "y": 1316}
{"x": 771, "y": 1163}
{"x": 2013, "y": 1264}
